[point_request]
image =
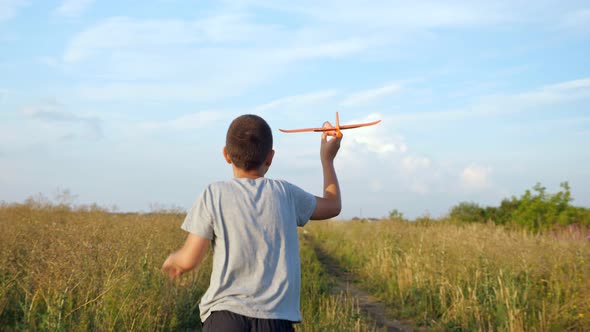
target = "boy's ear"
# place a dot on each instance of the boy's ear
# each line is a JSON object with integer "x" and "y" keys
{"x": 269, "y": 157}
{"x": 226, "y": 156}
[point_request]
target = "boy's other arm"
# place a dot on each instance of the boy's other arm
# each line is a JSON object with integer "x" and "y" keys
{"x": 188, "y": 257}
{"x": 330, "y": 204}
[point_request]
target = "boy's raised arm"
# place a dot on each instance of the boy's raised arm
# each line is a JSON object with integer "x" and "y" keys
{"x": 330, "y": 204}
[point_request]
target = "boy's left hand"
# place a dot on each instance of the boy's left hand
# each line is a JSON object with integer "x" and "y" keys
{"x": 188, "y": 257}
{"x": 173, "y": 271}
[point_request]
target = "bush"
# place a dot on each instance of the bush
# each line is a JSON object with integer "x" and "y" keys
{"x": 396, "y": 215}
{"x": 535, "y": 210}
{"x": 468, "y": 212}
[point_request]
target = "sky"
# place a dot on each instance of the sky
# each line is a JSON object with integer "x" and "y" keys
{"x": 126, "y": 103}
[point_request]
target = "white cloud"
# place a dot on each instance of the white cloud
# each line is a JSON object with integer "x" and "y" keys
{"x": 502, "y": 104}
{"x": 236, "y": 28}
{"x": 205, "y": 52}
{"x": 190, "y": 121}
{"x": 364, "y": 97}
{"x": 202, "y": 79}
{"x": 147, "y": 91}
{"x": 578, "y": 20}
{"x": 399, "y": 14}
{"x": 377, "y": 144}
{"x": 422, "y": 175}
{"x": 375, "y": 139}
{"x": 412, "y": 164}
{"x": 49, "y": 61}
{"x": 52, "y": 112}
{"x": 376, "y": 185}
{"x": 138, "y": 35}
{"x": 419, "y": 187}
{"x": 297, "y": 100}
{"x": 580, "y": 84}
{"x": 9, "y": 8}
{"x": 204, "y": 59}
{"x": 391, "y": 17}
{"x": 73, "y": 8}
{"x": 120, "y": 33}
{"x": 323, "y": 49}
{"x": 547, "y": 95}
{"x": 4, "y": 93}
{"x": 475, "y": 177}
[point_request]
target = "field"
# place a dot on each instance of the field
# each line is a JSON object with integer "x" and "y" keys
{"x": 88, "y": 269}
{"x": 474, "y": 277}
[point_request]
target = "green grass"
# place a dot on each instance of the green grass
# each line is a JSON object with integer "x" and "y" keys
{"x": 63, "y": 270}
{"x": 320, "y": 308}
{"x": 445, "y": 276}
{"x": 93, "y": 270}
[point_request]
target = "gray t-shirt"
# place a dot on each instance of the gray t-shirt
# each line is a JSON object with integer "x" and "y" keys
{"x": 253, "y": 228}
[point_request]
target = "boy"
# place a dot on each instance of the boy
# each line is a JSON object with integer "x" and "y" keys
{"x": 251, "y": 224}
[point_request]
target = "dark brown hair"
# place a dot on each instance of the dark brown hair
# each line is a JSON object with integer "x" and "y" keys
{"x": 248, "y": 141}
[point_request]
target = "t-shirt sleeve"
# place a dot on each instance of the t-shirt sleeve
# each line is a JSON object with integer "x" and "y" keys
{"x": 198, "y": 220}
{"x": 305, "y": 204}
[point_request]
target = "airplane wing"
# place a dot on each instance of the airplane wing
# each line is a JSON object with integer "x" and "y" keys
{"x": 351, "y": 126}
{"x": 321, "y": 129}
{"x": 303, "y": 130}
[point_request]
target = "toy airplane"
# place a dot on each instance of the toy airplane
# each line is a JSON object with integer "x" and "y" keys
{"x": 329, "y": 128}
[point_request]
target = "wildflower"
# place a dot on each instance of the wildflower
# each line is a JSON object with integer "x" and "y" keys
{"x": 588, "y": 236}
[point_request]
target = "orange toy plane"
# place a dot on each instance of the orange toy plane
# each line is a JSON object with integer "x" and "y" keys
{"x": 329, "y": 128}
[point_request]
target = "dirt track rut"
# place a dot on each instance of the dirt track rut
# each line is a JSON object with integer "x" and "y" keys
{"x": 368, "y": 304}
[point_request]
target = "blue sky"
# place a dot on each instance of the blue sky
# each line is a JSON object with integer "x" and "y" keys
{"x": 126, "y": 103}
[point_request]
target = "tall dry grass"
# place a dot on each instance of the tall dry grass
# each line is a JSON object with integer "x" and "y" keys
{"x": 479, "y": 277}
{"x": 323, "y": 309}
{"x": 90, "y": 270}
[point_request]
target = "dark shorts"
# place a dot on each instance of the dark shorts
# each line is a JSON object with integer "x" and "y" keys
{"x": 226, "y": 321}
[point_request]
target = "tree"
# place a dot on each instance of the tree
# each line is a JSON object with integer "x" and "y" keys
{"x": 396, "y": 215}
{"x": 468, "y": 212}
{"x": 539, "y": 210}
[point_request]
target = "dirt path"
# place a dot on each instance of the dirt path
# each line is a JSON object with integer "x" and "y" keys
{"x": 368, "y": 304}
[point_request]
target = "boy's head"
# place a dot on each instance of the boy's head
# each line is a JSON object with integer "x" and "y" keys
{"x": 248, "y": 142}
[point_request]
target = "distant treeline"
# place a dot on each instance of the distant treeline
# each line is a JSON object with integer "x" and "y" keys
{"x": 535, "y": 210}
